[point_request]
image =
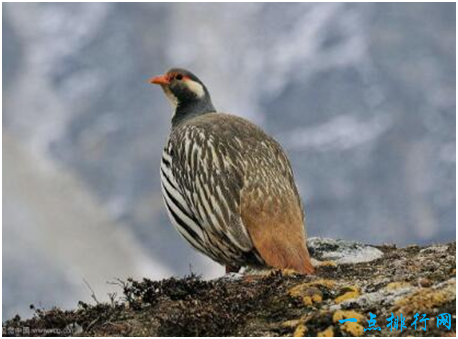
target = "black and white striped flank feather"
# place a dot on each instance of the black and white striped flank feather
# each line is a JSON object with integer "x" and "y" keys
{"x": 202, "y": 176}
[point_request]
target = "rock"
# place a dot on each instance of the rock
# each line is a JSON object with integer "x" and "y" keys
{"x": 336, "y": 301}
{"x": 435, "y": 248}
{"x": 342, "y": 251}
{"x": 423, "y": 282}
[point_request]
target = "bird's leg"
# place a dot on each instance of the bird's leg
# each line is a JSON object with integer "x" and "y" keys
{"x": 232, "y": 269}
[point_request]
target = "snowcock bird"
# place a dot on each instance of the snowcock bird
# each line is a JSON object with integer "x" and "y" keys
{"x": 228, "y": 187}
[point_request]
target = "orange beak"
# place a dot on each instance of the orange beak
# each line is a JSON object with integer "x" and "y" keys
{"x": 160, "y": 80}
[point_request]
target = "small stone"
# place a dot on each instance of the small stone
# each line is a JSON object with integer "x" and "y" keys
{"x": 425, "y": 282}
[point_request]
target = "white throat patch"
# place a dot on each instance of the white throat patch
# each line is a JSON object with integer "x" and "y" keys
{"x": 172, "y": 98}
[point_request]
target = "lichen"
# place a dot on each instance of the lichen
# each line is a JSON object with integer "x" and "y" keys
{"x": 427, "y": 298}
{"x": 329, "y": 332}
{"x": 354, "y": 329}
{"x": 310, "y": 300}
{"x": 351, "y": 292}
{"x": 300, "y": 331}
{"x": 397, "y": 285}
{"x": 329, "y": 284}
{"x": 340, "y": 315}
{"x": 291, "y": 323}
{"x": 310, "y": 292}
{"x": 327, "y": 263}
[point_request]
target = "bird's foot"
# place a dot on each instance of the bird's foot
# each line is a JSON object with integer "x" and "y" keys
{"x": 256, "y": 274}
{"x": 232, "y": 269}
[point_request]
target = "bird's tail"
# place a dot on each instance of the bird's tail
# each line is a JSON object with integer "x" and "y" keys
{"x": 292, "y": 254}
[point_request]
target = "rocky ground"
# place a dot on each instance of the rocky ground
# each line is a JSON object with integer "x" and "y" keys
{"x": 351, "y": 281}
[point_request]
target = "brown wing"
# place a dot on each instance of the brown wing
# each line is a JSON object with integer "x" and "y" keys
{"x": 276, "y": 230}
{"x": 272, "y": 212}
{"x": 256, "y": 185}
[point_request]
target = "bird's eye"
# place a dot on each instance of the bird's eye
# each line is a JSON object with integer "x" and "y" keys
{"x": 179, "y": 77}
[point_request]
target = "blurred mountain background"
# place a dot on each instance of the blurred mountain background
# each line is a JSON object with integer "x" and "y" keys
{"x": 361, "y": 96}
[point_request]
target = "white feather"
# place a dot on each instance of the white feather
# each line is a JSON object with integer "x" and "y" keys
{"x": 195, "y": 87}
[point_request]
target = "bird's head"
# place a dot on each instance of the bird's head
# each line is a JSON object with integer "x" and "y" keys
{"x": 186, "y": 93}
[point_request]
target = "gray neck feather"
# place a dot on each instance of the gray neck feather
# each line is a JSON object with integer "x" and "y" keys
{"x": 191, "y": 109}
